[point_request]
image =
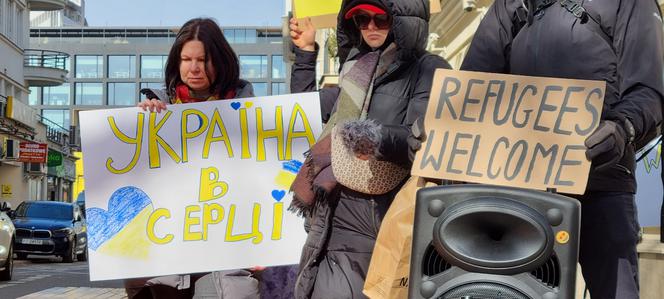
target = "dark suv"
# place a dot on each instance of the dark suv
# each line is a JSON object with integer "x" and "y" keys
{"x": 50, "y": 228}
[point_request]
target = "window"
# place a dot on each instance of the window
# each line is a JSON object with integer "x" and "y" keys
{"x": 122, "y": 66}
{"x": 154, "y": 85}
{"x": 56, "y": 95}
{"x": 240, "y": 36}
{"x": 122, "y": 94}
{"x": 60, "y": 116}
{"x": 254, "y": 66}
{"x": 33, "y": 98}
{"x": 279, "y": 88}
{"x": 260, "y": 89}
{"x": 89, "y": 94}
{"x": 153, "y": 66}
{"x": 89, "y": 66}
{"x": 278, "y": 70}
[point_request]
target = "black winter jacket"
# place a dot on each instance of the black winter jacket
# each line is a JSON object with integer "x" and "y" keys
{"x": 624, "y": 50}
{"x": 342, "y": 232}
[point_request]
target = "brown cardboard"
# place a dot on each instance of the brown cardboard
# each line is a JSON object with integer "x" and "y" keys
{"x": 435, "y": 6}
{"x": 464, "y": 144}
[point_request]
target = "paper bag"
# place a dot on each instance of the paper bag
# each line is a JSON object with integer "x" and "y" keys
{"x": 390, "y": 262}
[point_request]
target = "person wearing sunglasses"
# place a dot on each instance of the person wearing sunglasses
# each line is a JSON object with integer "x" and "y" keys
{"x": 385, "y": 81}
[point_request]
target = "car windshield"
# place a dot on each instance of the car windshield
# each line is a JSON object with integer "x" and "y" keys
{"x": 43, "y": 210}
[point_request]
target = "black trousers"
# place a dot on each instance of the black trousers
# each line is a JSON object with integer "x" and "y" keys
{"x": 609, "y": 234}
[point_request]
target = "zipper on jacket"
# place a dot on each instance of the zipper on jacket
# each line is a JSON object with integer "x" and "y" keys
{"x": 623, "y": 168}
{"x": 373, "y": 216}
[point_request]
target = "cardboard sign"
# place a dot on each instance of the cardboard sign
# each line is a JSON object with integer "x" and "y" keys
{"x": 323, "y": 13}
{"x": 510, "y": 130}
{"x": 197, "y": 188}
{"x": 32, "y": 152}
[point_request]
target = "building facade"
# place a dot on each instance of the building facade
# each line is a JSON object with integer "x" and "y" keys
{"x": 22, "y": 128}
{"x": 108, "y": 66}
{"x": 73, "y": 15}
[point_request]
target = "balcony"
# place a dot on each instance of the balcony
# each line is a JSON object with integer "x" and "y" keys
{"x": 45, "y": 68}
{"x": 46, "y": 5}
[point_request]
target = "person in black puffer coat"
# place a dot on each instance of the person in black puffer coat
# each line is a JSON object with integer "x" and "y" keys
{"x": 619, "y": 42}
{"x": 342, "y": 227}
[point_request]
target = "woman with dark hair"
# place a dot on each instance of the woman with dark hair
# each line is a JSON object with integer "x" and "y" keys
{"x": 201, "y": 66}
{"x": 357, "y": 166}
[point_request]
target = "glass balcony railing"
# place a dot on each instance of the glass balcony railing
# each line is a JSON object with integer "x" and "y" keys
{"x": 45, "y": 59}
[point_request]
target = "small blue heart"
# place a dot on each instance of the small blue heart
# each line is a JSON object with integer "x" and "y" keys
{"x": 278, "y": 194}
{"x": 236, "y": 105}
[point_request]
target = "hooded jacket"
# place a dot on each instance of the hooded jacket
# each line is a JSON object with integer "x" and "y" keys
{"x": 623, "y": 48}
{"x": 342, "y": 232}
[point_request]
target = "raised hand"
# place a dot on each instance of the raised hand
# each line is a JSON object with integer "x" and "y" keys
{"x": 303, "y": 37}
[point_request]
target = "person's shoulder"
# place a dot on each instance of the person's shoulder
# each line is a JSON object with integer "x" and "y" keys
{"x": 430, "y": 61}
{"x": 244, "y": 89}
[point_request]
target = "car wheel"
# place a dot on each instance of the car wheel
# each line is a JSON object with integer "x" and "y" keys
{"x": 21, "y": 256}
{"x": 70, "y": 254}
{"x": 6, "y": 274}
{"x": 83, "y": 256}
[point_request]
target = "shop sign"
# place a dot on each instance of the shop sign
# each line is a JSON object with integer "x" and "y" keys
{"x": 54, "y": 158}
{"x": 6, "y": 191}
{"x": 32, "y": 152}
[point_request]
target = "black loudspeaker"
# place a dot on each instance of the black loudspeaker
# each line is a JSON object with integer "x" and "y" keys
{"x": 488, "y": 242}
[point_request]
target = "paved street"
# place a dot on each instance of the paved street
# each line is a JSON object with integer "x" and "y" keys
{"x": 48, "y": 275}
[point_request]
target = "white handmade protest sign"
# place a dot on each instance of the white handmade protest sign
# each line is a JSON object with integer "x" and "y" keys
{"x": 197, "y": 188}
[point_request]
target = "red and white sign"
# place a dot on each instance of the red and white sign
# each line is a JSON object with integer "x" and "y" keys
{"x": 33, "y": 152}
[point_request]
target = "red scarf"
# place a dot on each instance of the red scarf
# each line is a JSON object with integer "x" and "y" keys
{"x": 183, "y": 95}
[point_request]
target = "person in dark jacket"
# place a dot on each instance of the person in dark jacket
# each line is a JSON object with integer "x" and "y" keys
{"x": 619, "y": 42}
{"x": 201, "y": 66}
{"x": 381, "y": 49}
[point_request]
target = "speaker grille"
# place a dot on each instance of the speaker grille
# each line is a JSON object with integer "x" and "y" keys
{"x": 483, "y": 290}
{"x": 549, "y": 272}
{"x": 433, "y": 263}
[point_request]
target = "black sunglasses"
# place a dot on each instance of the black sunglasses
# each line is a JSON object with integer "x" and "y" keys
{"x": 382, "y": 21}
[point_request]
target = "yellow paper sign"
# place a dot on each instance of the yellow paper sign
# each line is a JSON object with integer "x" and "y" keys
{"x": 323, "y": 13}
{"x": 6, "y": 191}
{"x": 510, "y": 130}
{"x": 310, "y": 8}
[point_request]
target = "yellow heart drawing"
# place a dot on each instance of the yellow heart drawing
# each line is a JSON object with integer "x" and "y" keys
{"x": 248, "y": 104}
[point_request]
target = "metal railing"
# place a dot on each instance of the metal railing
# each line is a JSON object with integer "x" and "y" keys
{"x": 56, "y": 133}
{"x": 45, "y": 58}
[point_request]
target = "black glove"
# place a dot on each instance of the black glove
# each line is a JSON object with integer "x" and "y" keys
{"x": 148, "y": 93}
{"x": 416, "y": 137}
{"x": 606, "y": 145}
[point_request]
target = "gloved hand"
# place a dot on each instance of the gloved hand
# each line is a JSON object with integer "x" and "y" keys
{"x": 416, "y": 137}
{"x": 606, "y": 145}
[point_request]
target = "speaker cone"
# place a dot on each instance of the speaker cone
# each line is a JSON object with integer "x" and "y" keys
{"x": 493, "y": 235}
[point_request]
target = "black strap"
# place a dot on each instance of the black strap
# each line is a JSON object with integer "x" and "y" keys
{"x": 646, "y": 152}
{"x": 575, "y": 7}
